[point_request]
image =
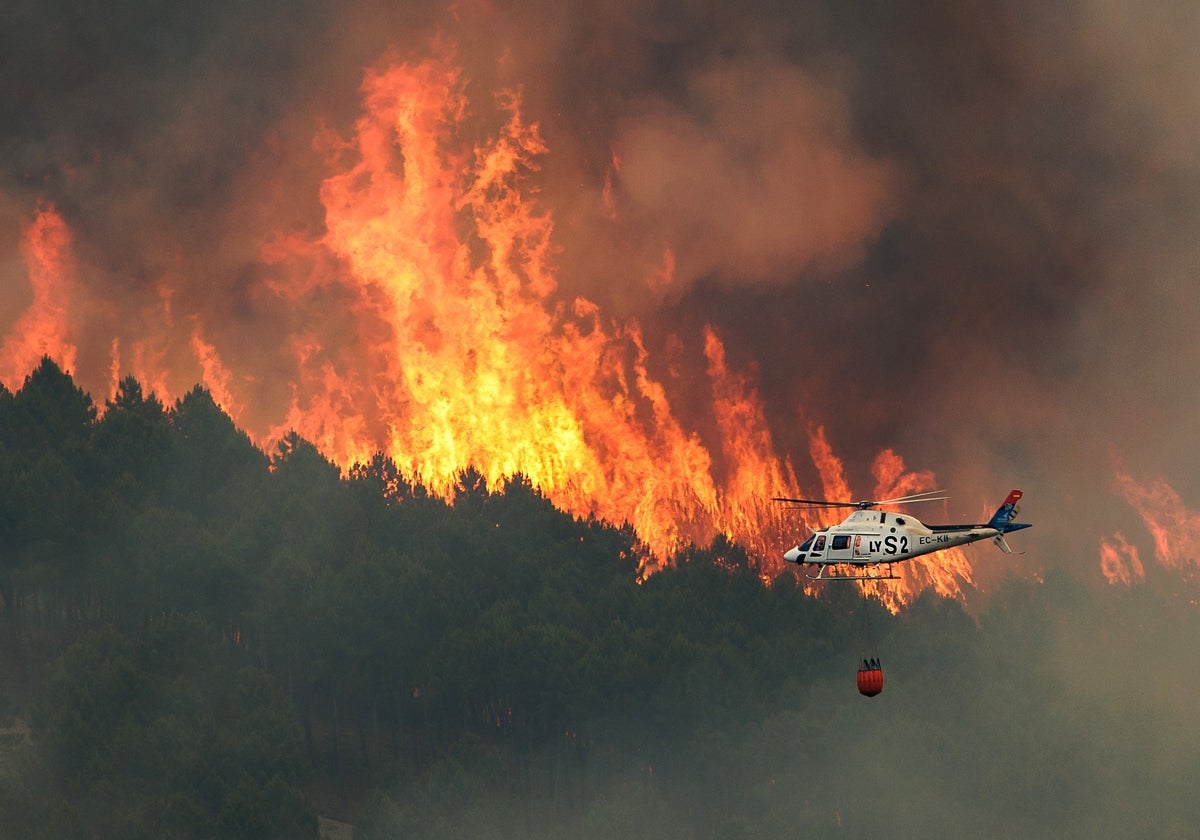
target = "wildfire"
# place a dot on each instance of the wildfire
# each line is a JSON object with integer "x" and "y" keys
{"x": 44, "y": 327}
{"x": 948, "y": 572}
{"x": 1119, "y": 560}
{"x": 433, "y": 330}
{"x": 1174, "y": 528}
{"x": 472, "y": 363}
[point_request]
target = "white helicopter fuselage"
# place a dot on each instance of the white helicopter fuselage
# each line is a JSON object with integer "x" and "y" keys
{"x": 867, "y": 537}
{"x": 873, "y": 537}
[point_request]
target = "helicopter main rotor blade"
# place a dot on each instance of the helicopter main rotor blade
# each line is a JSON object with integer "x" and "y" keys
{"x": 914, "y": 501}
{"x": 813, "y": 502}
{"x": 927, "y": 496}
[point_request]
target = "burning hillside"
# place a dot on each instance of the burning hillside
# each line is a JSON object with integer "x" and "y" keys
{"x": 666, "y": 263}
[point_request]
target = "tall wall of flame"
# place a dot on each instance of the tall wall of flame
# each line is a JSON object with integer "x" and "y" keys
{"x": 768, "y": 248}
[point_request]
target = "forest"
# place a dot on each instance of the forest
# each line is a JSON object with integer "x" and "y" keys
{"x": 200, "y": 639}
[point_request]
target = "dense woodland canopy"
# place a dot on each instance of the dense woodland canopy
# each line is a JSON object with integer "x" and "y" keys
{"x": 202, "y": 640}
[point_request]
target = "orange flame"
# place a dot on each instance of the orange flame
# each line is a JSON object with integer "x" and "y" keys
{"x": 471, "y": 363}
{"x": 216, "y": 377}
{"x": 1119, "y": 560}
{"x": 1174, "y": 528}
{"x": 43, "y": 328}
{"x": 748, "y": 447}
{"x": 145, "y": 360}
{"x": 829, "y": 466}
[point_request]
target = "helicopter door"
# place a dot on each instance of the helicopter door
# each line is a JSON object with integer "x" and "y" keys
{"x": 817, "y": 555}
{"x": 861, "y": 546}
{"x": 839, "y": 548}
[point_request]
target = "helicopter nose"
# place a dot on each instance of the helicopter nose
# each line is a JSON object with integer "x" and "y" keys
{"x": 792, "y": 555}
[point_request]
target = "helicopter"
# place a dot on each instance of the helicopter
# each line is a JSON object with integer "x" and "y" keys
{"x": 866, "y": 543}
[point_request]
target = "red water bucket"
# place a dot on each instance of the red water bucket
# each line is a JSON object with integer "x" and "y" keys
{"x": 870, "y": 681}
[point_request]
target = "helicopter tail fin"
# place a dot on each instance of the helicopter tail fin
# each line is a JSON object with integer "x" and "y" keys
{"x": 1005, "y": 514}
{"x": 1002, "y": 520}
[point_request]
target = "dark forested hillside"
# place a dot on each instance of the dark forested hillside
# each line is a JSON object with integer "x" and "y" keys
{"x": 199, "y": 639}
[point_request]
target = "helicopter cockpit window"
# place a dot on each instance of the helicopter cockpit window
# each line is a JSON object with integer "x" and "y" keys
{"x": 840, "y": 543}
{"x": 820, "y": 546}
{"x": 804, "y": 546}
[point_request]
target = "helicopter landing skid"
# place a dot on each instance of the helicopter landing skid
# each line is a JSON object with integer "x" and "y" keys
{"x": 868, "y": 573}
